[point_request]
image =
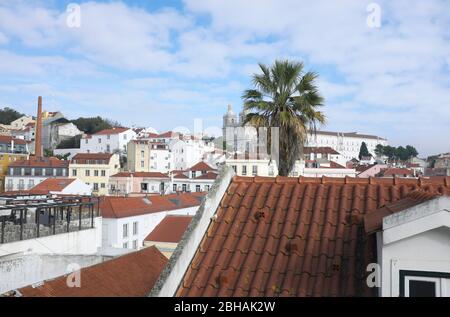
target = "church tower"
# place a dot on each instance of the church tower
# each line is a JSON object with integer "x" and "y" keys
{"x": 229, "y": 120}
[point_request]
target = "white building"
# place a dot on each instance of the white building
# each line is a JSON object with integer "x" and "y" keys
{"x": 161, "y": 159}
{"x": 126, "y": 183}
{"x": 198, "y": 178}
{"x": 21, "y": 122}
{"x": 413, "y": 246}
{"x": 127, "y": 221}
{"x": 62, "y": 186}
{"x": 347, "y": 144}
{"x": 188, "y": 151}
{"x": 25, "y": 174}
{"x": 253, "y": 167}
{"x": 113, "y": 140}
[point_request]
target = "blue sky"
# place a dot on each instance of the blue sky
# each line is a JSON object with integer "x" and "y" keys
{"x": 166, "y": 63}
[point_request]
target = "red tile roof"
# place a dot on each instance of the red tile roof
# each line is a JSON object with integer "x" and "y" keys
{"x": 82, "y": 158}
{"x": 141, "y": 174}
{"x": 167, "y": 134}
{"x": 335, "y": 165}
{"x": 208, "y": 175}
{"x": 373, "y": 221}
{"x": 51, "y": 185}
{"x": 120, "y": 207}
{"x": 133, "y": 274}
{"x": 293, "y": 236}
{"x": 201, "y": 166}
{"x": 170, "y": 229}
{"x": 397, "y": 171}
{"x": 319, "y": 149}
{"x": 180, "y": 176}
{"x": 8, "y": 139}
{"x": 40, "y": 162}
{"x": 111, "y": 131}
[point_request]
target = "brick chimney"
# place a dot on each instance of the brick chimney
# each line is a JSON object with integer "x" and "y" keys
{"x": 38, "y": 130}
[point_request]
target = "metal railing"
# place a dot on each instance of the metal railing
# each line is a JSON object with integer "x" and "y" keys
{"x": 32, "y": 217}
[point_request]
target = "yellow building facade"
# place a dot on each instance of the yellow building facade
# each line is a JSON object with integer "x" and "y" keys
{"x": 5, "y": 160}
{"x": 95, "y": 169}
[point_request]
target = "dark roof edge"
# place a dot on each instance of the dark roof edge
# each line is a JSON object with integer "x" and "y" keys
{"x": 172, "y": 275}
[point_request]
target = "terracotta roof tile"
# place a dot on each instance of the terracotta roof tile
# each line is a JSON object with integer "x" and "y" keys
{"x": 120, "y": 207}
{"x": 133, "y": 274}
{"x": 40, "y": 162}
{"x": 111, "y": 131}
{"x": 397, "y": 171}
{"x": 170, "y": 229}
{"x": 319, "y": 149}
{"x": 51, "y": 184}
{"x": 373, "y": 221}
{"x": 8, "y": 139}
{"x": 294, "y": 236}
{"x": 208, "y": 175}
{"x": 201, "y": 166}
{"x": 83, "y": 158}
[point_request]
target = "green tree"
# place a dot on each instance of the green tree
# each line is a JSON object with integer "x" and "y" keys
{"x": 63, "y": 157}
{"x": 363, "y": 151}
{"x": 48, "y": 152}
{"x": 412, "y": 152}
{"x": 8, "y": 115}
{"x": 285, "y": 96}
{"x": 401, "y": 154}
{"x": 379, "y": 149}
{"x": 94, "y": 125}
{"x": 389, "y": 151}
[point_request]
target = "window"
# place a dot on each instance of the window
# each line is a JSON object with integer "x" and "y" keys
{"x": 207, "y": 188}
{"x": 197, "y": 188}
{"x": 95, "y": 172}
{"x": 74, "y": 172}
{"x": 21, "y": 184}
{"x": 87, "y": 173}
{"x": 102, "y": 185}
{"x": 423, "y": 284}
{"x": 135, "y": 244}
{"x": 30, "y": 183}
{"x": 95, "y": 186}
{"x": 234, "y": 168}
{"x": 255, "y": 170}
{"x": 124, "y": 136}
{"x": 108, "y": 149}
{"x": 99, "y": 140}
{"x": 142, "y": 154}
{"x": 244, "y": 170}
{"x": 103, "y": 173}
{"x": 174, "y": 187}
{"x": 125, "y": 230}
{"x": 184, "y": 187}
{"x": 135, "y": 228}
{"x": 125, "y": 245}
{"x": 108, "y": 137}
{"x": 421, "y": 287}
{"x": 86, "y": 141}
{"x": 142, "y": 163}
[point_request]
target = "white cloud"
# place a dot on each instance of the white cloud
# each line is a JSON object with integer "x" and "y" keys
{"x": 398, "y": 73}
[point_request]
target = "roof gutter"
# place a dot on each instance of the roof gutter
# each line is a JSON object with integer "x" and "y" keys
{"x": 172, "y": 275}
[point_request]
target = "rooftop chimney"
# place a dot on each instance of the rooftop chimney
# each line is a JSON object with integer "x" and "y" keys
{"x": 38, "y": 131}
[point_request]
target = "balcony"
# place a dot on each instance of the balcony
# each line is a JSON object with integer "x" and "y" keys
{"x": 44, "y": 217}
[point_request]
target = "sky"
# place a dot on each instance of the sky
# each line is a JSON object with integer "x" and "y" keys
{"x": 164, "y": 64}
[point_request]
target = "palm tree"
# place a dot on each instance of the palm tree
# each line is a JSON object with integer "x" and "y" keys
{"x": 285, "y": 97}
